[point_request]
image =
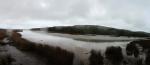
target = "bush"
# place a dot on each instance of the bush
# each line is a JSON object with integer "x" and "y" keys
{"x": 6, "y": 59}
{"x": 147, "y": 61}
{"x": 96, "y": 58}
{"x": 114, "y": 55}
{"x": 131, "y": 49}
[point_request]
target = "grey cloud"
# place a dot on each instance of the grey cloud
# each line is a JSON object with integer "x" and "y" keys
{"x": 130, "y": 14}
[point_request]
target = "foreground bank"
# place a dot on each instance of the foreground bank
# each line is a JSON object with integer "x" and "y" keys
{"x": 66, "y": 51}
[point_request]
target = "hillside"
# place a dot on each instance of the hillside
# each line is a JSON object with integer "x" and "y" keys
{"x": 94, "y": 30}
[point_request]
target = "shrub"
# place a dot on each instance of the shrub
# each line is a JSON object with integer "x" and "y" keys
{"x": 131, "y": 49}
{"x": 114, "y": 55}
{"x": 6, "y": 59}
{"x": 96, "y": 58}
{"x": 147, "y": 61}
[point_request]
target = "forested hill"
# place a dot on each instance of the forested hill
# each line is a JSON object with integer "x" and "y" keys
{"x": 94, "y": 30}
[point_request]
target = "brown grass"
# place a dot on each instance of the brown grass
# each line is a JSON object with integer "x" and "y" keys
{"x": 2, "y": 34}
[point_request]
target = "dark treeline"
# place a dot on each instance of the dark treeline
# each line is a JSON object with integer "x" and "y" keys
{"x": 95, "y": 30}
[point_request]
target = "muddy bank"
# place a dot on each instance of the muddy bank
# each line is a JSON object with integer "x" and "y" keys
{"x": 53, "y": 55}
{"x": 24, "y": 52}
{"x": 10, "y": 55}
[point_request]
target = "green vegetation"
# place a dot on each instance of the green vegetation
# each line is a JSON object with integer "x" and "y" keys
{"x": 96, "y": 30}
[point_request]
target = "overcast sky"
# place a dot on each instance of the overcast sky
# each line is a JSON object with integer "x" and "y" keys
{"x": 126, "y": 14}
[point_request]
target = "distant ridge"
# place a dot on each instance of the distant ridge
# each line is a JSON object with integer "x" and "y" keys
{"x": 94, "y": 30}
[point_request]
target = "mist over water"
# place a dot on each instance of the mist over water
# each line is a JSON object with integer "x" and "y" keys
{"x": 125, "y": 14}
